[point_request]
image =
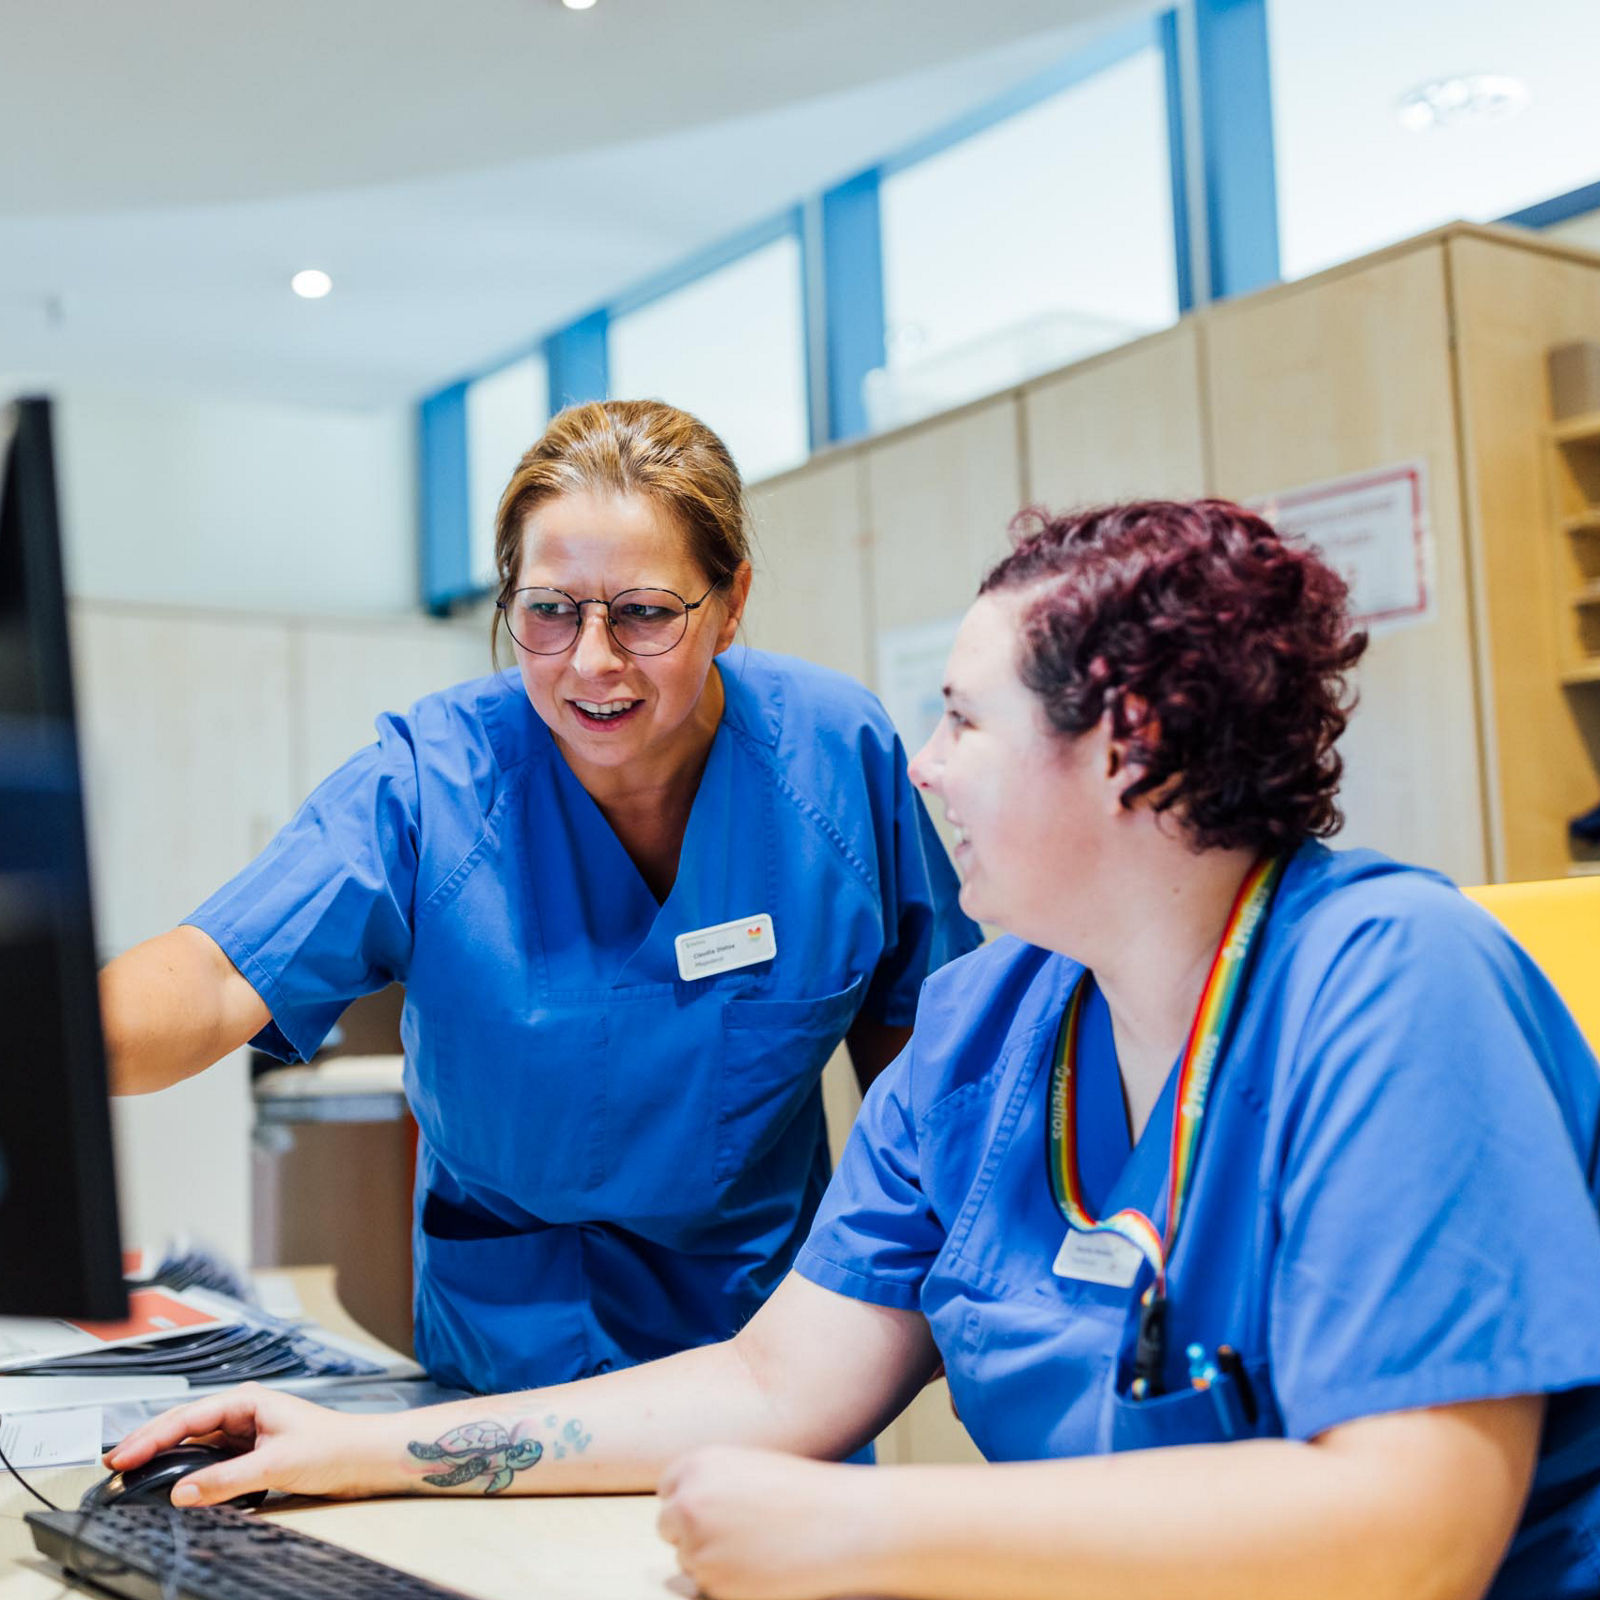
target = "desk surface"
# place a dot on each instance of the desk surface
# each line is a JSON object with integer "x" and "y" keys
{"x": 567, "y": 1548}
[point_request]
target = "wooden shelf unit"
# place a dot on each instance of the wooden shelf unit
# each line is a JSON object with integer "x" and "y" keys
{"x": 1583, "y": 429}
{"x": 1573, "y": 450}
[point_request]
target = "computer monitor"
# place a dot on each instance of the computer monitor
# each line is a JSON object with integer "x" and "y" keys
{"x": 60, "y": 1249}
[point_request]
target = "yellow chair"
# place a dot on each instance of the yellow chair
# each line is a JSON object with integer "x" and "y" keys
{"x": 1558, "y": 924}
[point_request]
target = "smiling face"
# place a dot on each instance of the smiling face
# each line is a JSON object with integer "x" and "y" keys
{"x": 1035, "y": 814}
{"x": 609, "y": 710}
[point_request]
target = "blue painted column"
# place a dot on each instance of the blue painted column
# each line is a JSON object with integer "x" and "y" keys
{"x": 578, "y": 364}
{"x": 442, "y": 449}
{"x": 1235, "y": 95}
{"x": 852, "y": 293}
{"x": 1189, "y": 266}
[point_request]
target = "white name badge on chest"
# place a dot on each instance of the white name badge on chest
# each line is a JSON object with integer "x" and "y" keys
{"x": 1105, "y": 1258}
{"x": 726, "y": 947}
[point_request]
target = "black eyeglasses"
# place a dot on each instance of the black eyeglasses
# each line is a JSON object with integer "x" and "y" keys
{"x": 644, "y": 622}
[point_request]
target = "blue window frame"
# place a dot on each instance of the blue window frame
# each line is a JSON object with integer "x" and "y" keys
{"x": 724, "y": 337}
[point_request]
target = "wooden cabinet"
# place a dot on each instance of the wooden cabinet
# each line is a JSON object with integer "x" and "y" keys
{"x": 1123, "y": 426}
{"x": 809, "y": 595}
{"x": 1574, "y": 459}
{"x": 1333, "y": 377}
{"x": 940, "y": 496}
{"x": 1527, "y": 486}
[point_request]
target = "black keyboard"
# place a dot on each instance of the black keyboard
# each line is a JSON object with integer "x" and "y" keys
{"x": 213, "y": 1553}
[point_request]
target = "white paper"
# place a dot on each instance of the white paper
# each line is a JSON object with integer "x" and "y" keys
{"x": 63, "y": 1394}
{"x": 51, "y": 1438}
{"x": 278, "y": 1297}
{"x": 1373, "y": 529}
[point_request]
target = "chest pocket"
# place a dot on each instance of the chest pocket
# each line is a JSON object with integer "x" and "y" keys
{"x": 773, "y": 1053}
{"x": 1195, "y": 1416}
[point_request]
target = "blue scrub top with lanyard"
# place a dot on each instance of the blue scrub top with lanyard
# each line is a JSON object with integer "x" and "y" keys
{"x": 1394, "y": 1202}
{"x": 615, "y": 1163}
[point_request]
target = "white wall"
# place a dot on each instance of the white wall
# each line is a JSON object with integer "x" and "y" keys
{"x": 180, "y": 501}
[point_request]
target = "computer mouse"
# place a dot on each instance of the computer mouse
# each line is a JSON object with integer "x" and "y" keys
{"x": 151, "y": 1484}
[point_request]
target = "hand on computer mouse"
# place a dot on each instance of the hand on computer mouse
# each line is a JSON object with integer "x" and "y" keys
{"x": 263, "y": 1440}
{"x": 153, "y": 1481}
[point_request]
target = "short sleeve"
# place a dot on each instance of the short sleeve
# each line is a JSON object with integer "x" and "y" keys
{"x": 875, "y": 1235}
{"x": 1438, "y": 1237}
{"x": 324, "y": 913}
{"x": 922, "y": 911}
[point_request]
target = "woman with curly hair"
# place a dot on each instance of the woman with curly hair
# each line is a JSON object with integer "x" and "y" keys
{"x": 1245, "y": 1191}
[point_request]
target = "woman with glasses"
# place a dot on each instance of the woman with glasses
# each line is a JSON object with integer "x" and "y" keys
{"x": 1246, "y": 1193}
{"x": 638, "y": 890}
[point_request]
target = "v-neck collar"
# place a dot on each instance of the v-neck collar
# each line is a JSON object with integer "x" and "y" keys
{"x": 712, "y": 864}
{"x": 601, "y": 926}
{"x": 1117, "y": 1174}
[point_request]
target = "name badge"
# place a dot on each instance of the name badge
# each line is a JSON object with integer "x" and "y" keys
{"x": 1105, "y": 1258}
{"x": 726, "y": 947}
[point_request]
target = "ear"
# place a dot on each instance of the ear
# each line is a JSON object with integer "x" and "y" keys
{"x": 733, "y": 603}
{"x": 1124, "y": 764}
{"x": 1114, "y": 764}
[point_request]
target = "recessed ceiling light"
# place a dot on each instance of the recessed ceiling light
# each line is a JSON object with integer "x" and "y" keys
{"x": 311, "y": 284}
{"x": 1448, "y": 102}
{"x": 577, "y": 5}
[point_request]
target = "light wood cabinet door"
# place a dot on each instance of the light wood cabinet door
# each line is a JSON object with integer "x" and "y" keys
{"x": 939, "y": 500}
{"x": 809, "y": 597}
{"x": 1124, "y": 426}
{"x": 1335, "y": 376}
{"x": 1514, "y": 301}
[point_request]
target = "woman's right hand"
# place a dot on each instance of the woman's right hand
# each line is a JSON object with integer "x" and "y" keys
{"x": 279, "y": 1442}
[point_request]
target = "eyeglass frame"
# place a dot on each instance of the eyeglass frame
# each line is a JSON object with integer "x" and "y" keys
{"x": 503, "y": 606}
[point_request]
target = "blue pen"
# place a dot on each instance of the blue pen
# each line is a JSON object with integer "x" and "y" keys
{"x": 1203, "y": 1374}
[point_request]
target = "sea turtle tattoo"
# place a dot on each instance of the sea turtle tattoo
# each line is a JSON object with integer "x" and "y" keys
{"x": 475, "y": 1450}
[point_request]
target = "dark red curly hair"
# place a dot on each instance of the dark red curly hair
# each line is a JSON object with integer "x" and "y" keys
{"x": 1218, "y": 647}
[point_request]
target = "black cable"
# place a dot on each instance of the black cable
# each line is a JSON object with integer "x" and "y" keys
{"x": 20, "y": 1479}
{"x": 43, "y": 1500}
{"x": 171, "y": 1581}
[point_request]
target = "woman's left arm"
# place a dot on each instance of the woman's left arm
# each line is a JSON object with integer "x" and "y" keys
{"x": 1419, "y": 1505}
{"x": 872, "y": 1046}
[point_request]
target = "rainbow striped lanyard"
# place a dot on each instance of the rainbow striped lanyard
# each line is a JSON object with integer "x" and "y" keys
{"x": 1202, "y": 1052}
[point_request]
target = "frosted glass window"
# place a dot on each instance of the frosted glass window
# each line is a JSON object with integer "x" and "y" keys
{"x": 1040, "y": 240}
{"x": 729, "y": 347}
{"x": 1352, "y": 175}
{"x": 506, "y": 412}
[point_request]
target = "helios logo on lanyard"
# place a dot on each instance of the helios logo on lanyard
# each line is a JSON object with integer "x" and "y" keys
{"x": 726, "y": 947}
{"x": 1111, "y": 1251}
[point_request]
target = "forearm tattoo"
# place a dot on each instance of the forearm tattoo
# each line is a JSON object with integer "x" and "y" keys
{"x": 486, "y": 1450}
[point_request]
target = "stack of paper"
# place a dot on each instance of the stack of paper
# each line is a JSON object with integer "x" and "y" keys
{"x": 68, "y": 1387}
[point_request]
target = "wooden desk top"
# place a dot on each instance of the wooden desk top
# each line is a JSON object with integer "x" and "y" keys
{"x": 567, "y": 1548}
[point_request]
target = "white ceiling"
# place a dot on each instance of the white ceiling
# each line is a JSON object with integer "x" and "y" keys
{"x": 471, "y": 175}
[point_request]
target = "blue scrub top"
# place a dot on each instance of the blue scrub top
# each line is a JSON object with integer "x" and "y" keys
{"x": 614, "y": 1163}
{"x": 1394, "y": 1204}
